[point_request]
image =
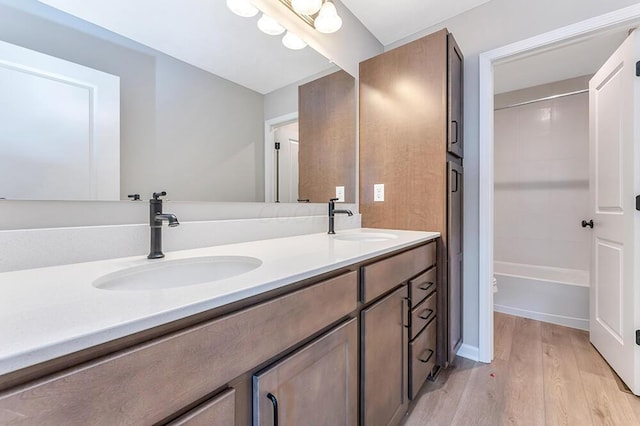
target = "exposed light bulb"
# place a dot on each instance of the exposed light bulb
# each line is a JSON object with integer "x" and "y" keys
{"x": 328, "y": 20}
{"x": 306, "y": 7}
{"x": 269, "y": 25}
{"x": 243, "y": 8}
{"x": 293, "y": 42}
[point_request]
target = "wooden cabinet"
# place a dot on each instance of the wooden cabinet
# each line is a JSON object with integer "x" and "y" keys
{"x": 422, "y": 355}
{"x": 220, "y": 411}
{"x": 327, "y": 133}
{"x": 316, "y": 353}
{"x": 454, "y": 258}
{"x": 411, "y": 127}
{"x": 455, "y": 87}
{"x": 384, "y": 360}
{"x": 380, "y": 277}
{"x": 317, "y": 385}
{"x": 152, "y": 381}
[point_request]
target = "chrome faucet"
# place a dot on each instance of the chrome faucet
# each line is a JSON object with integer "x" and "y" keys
{"x": 332, "y": 213}
{"x": 156, "y": 217}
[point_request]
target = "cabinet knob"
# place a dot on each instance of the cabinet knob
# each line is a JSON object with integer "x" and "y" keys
{"x": 589, "y": 224}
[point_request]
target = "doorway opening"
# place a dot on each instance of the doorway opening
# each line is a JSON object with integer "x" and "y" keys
{"x": 281, "y": 159}
{"x": 571, "y": 35}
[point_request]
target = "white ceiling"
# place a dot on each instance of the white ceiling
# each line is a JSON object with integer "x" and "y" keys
{"x": 206, "y": 34}
{"x": 578, "y": 58}
{"x": 392, "y": 20}
{"x": 203, "y": 33}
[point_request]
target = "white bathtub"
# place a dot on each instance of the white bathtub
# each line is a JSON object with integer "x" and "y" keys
{"x": 555, "y": 295}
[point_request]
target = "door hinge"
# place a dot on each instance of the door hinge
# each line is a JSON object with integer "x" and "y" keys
{"x": 638, "y": 69}
{"x": 638, "y": 337}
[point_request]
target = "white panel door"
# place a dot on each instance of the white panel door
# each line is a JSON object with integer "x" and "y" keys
{"x": 614, "y": 104}
{"x": 293, "y": 170}
{"x": 59, "y": 129}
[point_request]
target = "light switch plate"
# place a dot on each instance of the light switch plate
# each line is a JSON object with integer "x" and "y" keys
{"x": 340, "y": 193}
{"x": 378, "y": 192}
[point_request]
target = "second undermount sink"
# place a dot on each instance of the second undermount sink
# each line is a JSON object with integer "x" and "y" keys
{"x": 366, "y": 237}
{"x": 177, "y": 273}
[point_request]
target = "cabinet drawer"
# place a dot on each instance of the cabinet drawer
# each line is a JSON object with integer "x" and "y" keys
{"x": 422, "y": 314}
{"x": 382, "y": 276}
{"x": 221, "y": 410}
{"x": 422, "y": 286}
{"x": 151, "y": 381}
{"x": 422, "y": 355}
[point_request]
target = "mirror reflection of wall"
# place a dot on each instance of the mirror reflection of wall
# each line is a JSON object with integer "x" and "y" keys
{"x": 183, "y": 129}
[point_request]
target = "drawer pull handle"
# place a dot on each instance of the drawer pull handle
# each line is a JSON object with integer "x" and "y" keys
{"x": 425, "y": 286}
{"x": 406, "y": 308}
{"x": 274, "y": 401}
{"x": 425, "y": 360}
{"x": 428, "y": 313}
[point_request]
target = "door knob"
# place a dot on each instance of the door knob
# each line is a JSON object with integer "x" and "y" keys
{"x": 589, "y": 224}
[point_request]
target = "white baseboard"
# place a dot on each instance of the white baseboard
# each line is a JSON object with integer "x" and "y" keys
{"x": 469, "y": 352}
{"x": 579, "y": 323}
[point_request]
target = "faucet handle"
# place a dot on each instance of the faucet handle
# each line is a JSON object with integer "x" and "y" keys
{"x": 331, "y": 200}
{"x": 157, "y": 195}
{"x": 134, "y": 197}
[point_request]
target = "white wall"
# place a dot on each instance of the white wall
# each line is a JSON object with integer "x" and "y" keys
{"x": 541, "y": 178}
{"x": 491, "y": 25}
{"x": 39, "y": 233}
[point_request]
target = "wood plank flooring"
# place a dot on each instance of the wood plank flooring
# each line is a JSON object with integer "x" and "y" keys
{"x": 542, "y": 374}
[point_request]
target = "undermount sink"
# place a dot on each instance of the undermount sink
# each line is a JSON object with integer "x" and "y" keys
{"x": 177, "y": 273}
{"x": 366, "y": 237}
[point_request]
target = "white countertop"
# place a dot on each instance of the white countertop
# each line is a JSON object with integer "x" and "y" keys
{"x": 49, "y": 312}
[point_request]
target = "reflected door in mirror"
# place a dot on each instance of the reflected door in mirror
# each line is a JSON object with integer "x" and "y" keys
{"x": 60, "y": 124}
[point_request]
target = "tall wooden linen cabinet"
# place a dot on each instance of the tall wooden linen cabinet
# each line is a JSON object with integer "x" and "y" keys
{"x": 411, "y": 140}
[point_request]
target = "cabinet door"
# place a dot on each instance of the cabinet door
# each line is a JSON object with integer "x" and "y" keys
{"x": 317, "y": 385}
{"x": 221, "y": 410}
{"x": 455, "y": 95}
{"x": 454, "y": 265}
{"x": 384, "y": 358}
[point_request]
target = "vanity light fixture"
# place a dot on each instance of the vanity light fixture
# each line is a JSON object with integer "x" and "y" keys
{"x": 270, "y": 26}
{"x": 325, "y": 17}
{"x": 293, "y": 42}
{"x": 242, "y": 8}
{"x": 328, "y": 21}
{"x": 306, "y": 7}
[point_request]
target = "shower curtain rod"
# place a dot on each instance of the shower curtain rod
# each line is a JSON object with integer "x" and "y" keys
{"x": 548, "y": 98}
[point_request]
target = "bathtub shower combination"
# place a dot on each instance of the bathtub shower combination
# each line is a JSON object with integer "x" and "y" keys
{"x": 542, "y": 253}
{"x": 555, "y": 295}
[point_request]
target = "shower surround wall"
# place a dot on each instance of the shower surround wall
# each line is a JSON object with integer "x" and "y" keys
{"x": 541, "y": 252}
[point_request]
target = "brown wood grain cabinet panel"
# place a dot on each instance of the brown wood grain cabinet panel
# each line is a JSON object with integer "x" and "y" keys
{"x": 152, "y": 381}
{"x": 422, "y": 352}
{"x": 220, "y": 411}
{"x": 422, "y": 286}
{"x": 327, "y": 132}
{"x": 422, "y": 314}
{"x": 403, "y": 128}
{"x": 384, "y": 360}
{"x": 384, "y": 275}
{"x": 455, "y": 257}
{"x": 317, "y": 385}
{"x": 411, "y": 125}
{"x": 455, "y": 138}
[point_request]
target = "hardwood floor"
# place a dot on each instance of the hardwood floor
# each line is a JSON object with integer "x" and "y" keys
{"x": 542, "y": 374}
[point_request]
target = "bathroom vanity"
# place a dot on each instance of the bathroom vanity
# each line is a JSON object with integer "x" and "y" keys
{"x": 333, "y": 327}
